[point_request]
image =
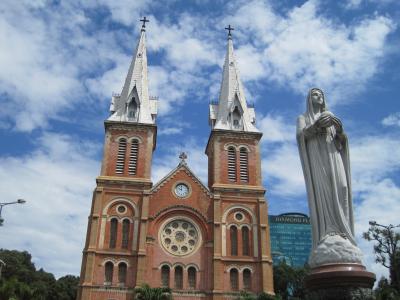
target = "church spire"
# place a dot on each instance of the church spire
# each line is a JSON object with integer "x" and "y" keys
{"x": 232, "y": 111}
{"x": 134, "y": 104}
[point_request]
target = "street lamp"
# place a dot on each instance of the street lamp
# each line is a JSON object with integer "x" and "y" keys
{"x": 19, "y": 201}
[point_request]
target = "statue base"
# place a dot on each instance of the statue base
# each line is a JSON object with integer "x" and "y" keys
{"x": 346, "y": 281}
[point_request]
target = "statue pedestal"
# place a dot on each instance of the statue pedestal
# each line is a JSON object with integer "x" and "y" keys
{"x": 345, "y": 281}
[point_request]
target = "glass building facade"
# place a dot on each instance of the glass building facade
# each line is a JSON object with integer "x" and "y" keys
{"x": 290, "y": 238}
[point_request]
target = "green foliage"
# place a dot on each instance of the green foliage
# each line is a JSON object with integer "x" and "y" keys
{"x": 21, "y": 281}
{"x": 387, "y": 249}
{"x": 145, "y": 292}
{"x": 289, "y": 281}
{"x": 384, "y": 291}
{"x": 262, "y": 296}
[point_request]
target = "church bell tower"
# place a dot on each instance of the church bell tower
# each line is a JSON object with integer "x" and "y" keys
{"x": 113, "y": 257}
{"x": 241, "y": 233}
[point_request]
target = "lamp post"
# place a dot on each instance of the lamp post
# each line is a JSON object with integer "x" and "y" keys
{"x": 19, "y": 201}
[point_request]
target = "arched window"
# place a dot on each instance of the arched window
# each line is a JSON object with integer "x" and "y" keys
{"x": 234, "y": 240}
{"x": 132, "y": 110}
{"x": 234, "y": 279}
{"x": 125, "y": 233}
{"x": 122, "y": 268}
{"x": 120, "y": 165}
{"x": 236, "y": 119}
{"x": 232, "y": 164}
{"x": 165, "y": 276}
{"x": 246, "y": 279}
{"x": 245, "y": 241}
{"x": 113, "y": 233}
{"x": 133, "y": 157}
{"x": 243, "y": 159}
{"x": 192, "y": 277}
{"x": 178, "y": 277}
{"x": 108, "y": 273}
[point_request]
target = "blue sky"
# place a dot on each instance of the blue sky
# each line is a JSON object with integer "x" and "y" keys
{"x": 60, "y": 61}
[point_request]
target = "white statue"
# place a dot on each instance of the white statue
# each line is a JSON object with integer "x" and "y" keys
{"x": 324, "y": 156}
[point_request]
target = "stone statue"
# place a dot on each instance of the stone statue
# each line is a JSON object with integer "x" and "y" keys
{"x": 324, "y": 154}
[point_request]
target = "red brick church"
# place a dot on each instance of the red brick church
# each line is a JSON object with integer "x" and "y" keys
{"x": 203, "y": 241}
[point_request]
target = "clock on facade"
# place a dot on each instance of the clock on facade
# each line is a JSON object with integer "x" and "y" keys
{"x": 181, "y": 190}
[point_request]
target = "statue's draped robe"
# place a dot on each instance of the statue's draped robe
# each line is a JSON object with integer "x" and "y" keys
{"x": 325, "y": 162}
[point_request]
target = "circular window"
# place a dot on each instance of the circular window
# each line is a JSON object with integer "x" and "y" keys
{"x": 239, "y": 216}
{"x": 121, "y": 209}
{"x": 179, "y": 237}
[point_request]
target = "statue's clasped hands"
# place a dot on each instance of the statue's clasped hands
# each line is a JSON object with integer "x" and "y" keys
{"x": 327, "y": 119}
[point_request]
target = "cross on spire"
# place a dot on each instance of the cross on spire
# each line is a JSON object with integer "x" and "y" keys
{"x": 144, "y": 20}
{"x": 229, "y": 28}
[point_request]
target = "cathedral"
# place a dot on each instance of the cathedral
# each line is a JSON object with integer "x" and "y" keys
{"x": 203, "y": 241}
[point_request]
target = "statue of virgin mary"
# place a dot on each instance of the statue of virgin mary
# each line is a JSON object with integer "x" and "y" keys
{"x": 324, "y": 154}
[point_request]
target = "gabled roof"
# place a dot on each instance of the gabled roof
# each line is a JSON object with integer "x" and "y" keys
{"x": 182, "y": 166}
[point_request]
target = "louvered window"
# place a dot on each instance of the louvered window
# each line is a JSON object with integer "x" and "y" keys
{"x": 247, "y": 279}
{"x": 231, "y": 164}
{"x": 192, "y": 277}
{"x": 108, "y": 270}
{"x": 113, "y": 233}
{"x": 234, "y": 279}
{"x": 244, "y": 172}
{"x": 133, "y": 158}
{"x": 125, "y": 233}
{"x": 120, "y": 166}
{"x": 245, "y": 241}
{"x": 165, "y": 276}
{"x": 122, "y": 267}
{"x": 178, "y": 277}
{"x": 234, "y": 241}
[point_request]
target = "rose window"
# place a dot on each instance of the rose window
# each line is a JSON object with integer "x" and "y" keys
{"x": 179, "y": 237}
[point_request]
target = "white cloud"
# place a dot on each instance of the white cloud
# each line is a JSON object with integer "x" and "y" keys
{"x": 276, "y": 128}
{"x": 381, "y": 204}
{"x": 123, "y": 11}
{"x": 197, "y": 160}
{"x": 56, "y": 179}
{"x": 373, "y": 158}
{"x": 392, "y": 120}
{"x": 45, "y": 56}
{"x": 305, "y": 49}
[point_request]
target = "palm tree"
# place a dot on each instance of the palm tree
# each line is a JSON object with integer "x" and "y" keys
{"x": 145, "y": 292}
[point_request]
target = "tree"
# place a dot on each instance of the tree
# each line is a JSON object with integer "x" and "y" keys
{"x": 289, "y": 281}
{"x": 145, "y": 292}
{"x": 384, "y": 291}
{"x": 21, "y": 281}
{"x": 386, "y": 248}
